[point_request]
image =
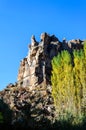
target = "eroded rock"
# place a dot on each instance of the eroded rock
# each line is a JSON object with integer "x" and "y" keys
{"x": 29, "y": 100}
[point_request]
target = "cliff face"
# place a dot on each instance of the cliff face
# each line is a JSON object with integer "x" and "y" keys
{"x": 36, "y": 67}
{"x": 29, "y": 100}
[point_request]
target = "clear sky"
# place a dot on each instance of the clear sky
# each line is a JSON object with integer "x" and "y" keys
{"x": 19, "y": 19}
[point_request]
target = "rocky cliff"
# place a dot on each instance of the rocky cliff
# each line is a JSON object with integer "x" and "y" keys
{"x": 36, "y": 67}
{"x": 28, "y": 102}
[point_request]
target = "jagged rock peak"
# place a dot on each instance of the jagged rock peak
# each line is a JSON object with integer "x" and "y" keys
{"x": 36, "y": 67}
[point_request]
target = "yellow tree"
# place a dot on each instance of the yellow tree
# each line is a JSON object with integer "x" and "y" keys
{"x": 62, "y": 83}
{"x": 78, "y": 78}
{"x": 56, "y": 80}
{"x": 84, "y": 81}
{"x": 69, "y": 82}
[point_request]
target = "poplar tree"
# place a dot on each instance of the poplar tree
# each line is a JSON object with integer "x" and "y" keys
{"x": 62, "y": 82}
{"x": 78, "y": 78}
{"x": 69, "y": 82}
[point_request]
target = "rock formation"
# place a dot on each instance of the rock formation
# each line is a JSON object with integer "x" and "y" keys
{"x": 36, "y": 67}
{"x": 29, "y": 99}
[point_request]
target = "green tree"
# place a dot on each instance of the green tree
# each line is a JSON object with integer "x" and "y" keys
{"x": 69, "y": 82}
{"x": 62, "y": 82}
{"x": 79, "y": 74}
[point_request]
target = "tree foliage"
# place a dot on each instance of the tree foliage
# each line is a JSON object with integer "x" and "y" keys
{"x": 69, "y": 82}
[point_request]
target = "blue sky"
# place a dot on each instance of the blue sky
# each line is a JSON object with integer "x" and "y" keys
{"x": 19, "y": 19}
